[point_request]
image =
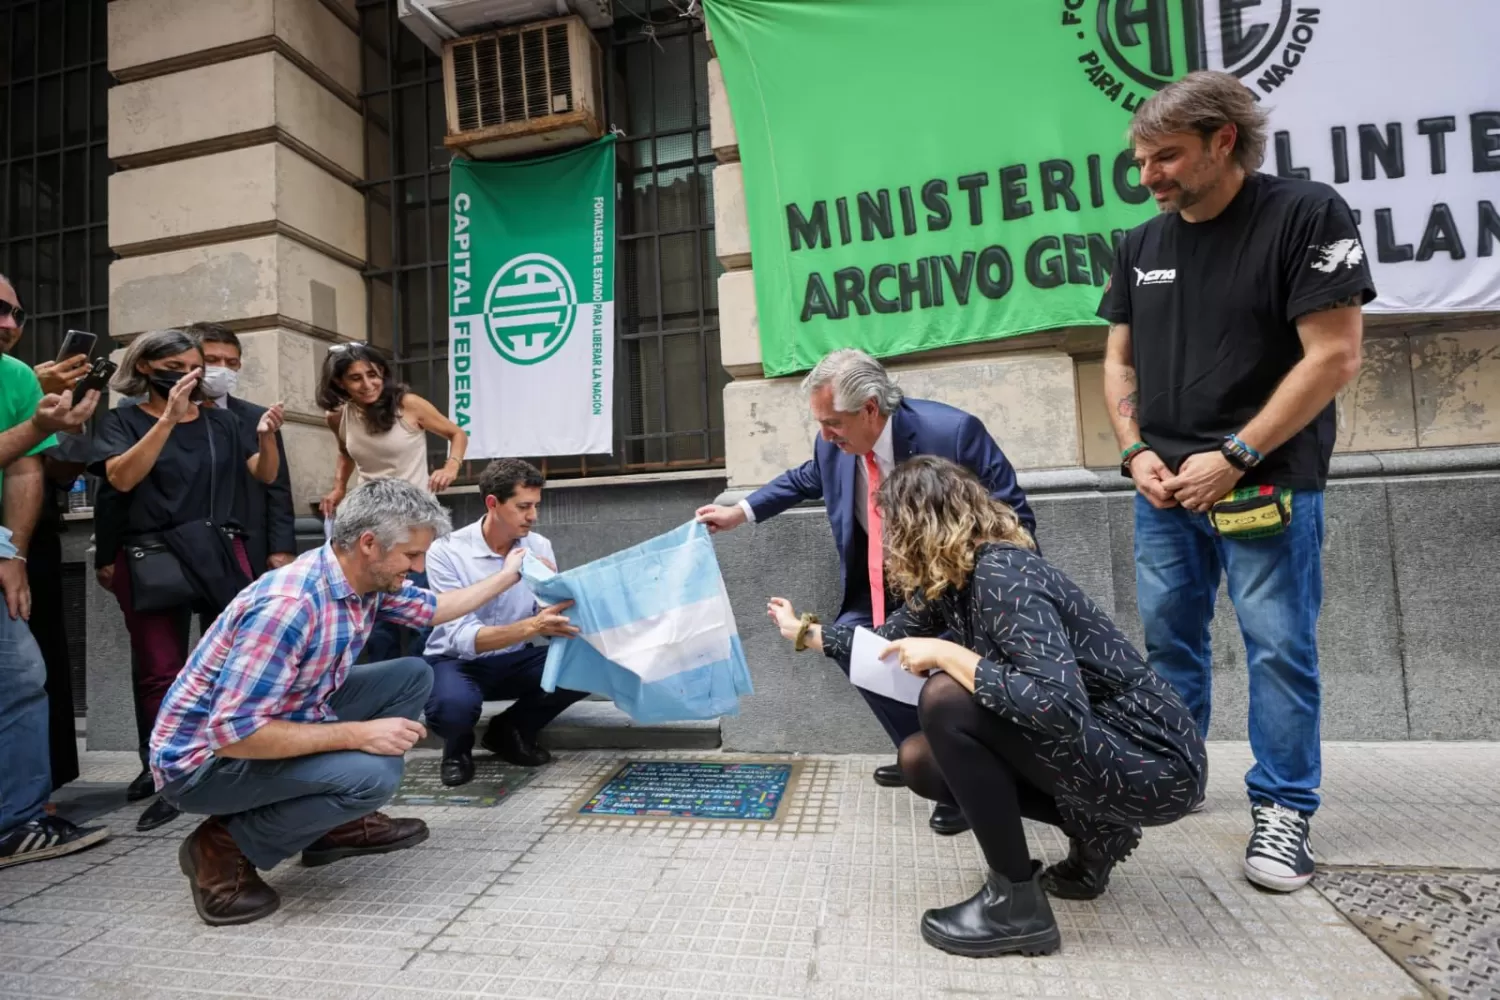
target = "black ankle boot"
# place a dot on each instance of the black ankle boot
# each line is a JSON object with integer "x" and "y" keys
{"x": 1002, "y": 918}
{"x": 1085, "y": 872}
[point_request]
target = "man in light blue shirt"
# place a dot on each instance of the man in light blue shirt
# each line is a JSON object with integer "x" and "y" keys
{"x": 487, "y": 655}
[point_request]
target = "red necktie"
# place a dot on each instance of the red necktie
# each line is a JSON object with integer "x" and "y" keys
{"x": 875, "y": 549}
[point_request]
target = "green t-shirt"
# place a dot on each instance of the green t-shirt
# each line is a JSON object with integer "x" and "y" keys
{"x": 19, "y": 394}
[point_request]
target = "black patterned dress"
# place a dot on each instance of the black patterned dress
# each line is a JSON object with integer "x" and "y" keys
{"x": 1122, "y": 745}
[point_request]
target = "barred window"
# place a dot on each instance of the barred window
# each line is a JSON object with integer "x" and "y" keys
{"x": 668, "y": 378}
{"x": 54, "y": 168}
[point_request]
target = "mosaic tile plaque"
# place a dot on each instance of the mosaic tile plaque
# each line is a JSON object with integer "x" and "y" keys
{"x": 493, "y": 783}
{"x": 741, "y": 791}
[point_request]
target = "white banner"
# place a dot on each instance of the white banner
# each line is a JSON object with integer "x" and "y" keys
{"x": 1396, "y": 103}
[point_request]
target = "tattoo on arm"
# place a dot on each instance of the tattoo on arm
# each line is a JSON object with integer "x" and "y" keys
{"x": 1344, "y": 303}
{"x": 1128, "y": 405}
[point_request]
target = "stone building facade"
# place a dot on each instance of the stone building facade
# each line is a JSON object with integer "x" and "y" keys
{"x": 238, "y": 133}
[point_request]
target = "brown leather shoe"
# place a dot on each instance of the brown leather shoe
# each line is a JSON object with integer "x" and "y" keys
{"x": 376, "y": 833}
{"x": 226, "y": 887}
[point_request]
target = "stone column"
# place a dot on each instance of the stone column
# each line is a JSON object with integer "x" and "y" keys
{"x": 236, "y": 126}
{"x": 237, "y": 132}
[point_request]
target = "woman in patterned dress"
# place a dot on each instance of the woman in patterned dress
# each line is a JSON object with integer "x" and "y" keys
{"x": 1042, "y": 709}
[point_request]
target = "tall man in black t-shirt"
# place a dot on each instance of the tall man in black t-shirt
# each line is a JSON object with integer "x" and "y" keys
{"x": 1234, "y": 321}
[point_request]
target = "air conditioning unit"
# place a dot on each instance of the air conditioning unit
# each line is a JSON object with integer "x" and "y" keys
{"x": 523, "y": 90}
{"x": 439, "y": 21}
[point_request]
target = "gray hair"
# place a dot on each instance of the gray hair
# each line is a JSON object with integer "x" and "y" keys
{"x": 855, "y": 377}
{"x": 389, "y": 509}
{"x": 151, "y": 346}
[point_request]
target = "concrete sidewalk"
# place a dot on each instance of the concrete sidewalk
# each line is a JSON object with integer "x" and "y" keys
{"x": 527, "y": 899}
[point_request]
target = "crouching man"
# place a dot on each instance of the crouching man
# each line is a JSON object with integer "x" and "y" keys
{"x": 488, "y": 654}
{"x": 274, "y": 733}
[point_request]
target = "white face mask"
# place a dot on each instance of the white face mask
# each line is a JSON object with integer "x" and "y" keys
{"x": 219, "y": 382}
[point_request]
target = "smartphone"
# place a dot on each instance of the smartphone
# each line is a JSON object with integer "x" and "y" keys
{"x": 97, "y": 378}
{"x": 77, "y": 342}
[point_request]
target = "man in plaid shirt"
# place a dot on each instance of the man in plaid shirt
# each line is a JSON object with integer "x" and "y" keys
{"x": 274, "y": 732}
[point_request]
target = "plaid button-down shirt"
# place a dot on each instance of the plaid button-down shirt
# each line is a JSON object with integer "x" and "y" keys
{"x": 280, "y": 649}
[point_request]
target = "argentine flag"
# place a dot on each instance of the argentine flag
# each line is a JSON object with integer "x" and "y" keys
{"x": 657, "y": 634}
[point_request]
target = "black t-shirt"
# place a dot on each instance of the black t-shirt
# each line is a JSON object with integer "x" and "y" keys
{"x": 1212, "y": 308}
{"x": 178, "y": 487}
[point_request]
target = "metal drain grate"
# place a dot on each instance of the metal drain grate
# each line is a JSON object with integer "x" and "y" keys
{"x": 1442, "y": 927}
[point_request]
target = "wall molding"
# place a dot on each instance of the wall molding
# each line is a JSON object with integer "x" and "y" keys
{"x": 239, "y": 50}
{"x": 272, "y": 227}
{"x": 230, "y": 143}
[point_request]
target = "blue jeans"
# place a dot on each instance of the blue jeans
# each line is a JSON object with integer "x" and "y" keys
{"x": 26, "y": 777}
{"x": 388, "y": 641}
{"x": 275, "y": 808}
{"x": 1276, "y": 587}
{"x": 461, "y": 687}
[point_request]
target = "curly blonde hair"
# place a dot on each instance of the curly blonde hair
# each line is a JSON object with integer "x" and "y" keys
{"x": 936, "y": 516}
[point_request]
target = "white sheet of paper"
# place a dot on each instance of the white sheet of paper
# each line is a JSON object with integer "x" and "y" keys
{"x": 869, "y": 671}
{"x": 327, "y": 529}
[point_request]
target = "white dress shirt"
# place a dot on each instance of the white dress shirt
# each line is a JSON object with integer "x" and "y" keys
{"x": 464, "y": 558}
{"x": 885, "y": 461}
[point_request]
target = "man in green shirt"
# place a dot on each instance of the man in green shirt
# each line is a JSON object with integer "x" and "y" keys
{"x": 30, "y": 419}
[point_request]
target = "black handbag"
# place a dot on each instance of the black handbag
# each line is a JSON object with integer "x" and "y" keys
{"x": 157, "y": 579}
{"x": 157, "y": 582}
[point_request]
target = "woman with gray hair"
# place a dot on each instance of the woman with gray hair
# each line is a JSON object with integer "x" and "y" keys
{"x": 178, "y": 475}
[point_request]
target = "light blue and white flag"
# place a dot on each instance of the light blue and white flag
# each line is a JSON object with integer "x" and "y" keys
{"x": 657, "y": 632}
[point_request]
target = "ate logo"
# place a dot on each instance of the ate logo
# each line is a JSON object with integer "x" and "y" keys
{"x": 529, "y": 308}
{"x": 1129, "y": 49}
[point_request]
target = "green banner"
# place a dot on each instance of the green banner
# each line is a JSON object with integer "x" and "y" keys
{"x": 923, "y": 173}
{"x": 531, "y": 314}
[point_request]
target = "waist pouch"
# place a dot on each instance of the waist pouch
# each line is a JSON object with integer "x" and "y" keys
{"x": 1252, "y": 512}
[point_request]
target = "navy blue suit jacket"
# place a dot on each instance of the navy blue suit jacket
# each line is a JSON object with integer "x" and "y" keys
{"x": 919, "y": 427}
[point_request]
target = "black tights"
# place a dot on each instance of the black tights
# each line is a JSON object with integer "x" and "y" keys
{"x": 970, "y": 757}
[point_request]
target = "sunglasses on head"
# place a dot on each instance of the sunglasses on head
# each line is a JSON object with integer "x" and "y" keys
{"x": 15, "y": 312}
{"x": 347, "y": 345}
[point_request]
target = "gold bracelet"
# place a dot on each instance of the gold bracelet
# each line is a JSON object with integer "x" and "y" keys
{"x": 808, "y": 620}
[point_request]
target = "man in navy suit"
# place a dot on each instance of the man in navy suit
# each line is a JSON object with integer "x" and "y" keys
{"x": 867, "y": 428}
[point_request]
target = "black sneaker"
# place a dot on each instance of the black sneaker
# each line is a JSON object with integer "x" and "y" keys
{"x": 48, "y": 837}
{"x": 1279, "y": 856}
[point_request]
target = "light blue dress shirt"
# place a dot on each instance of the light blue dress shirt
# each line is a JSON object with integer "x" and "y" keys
{"x": 8, "y": 551}
{"x": 464, "y": 558}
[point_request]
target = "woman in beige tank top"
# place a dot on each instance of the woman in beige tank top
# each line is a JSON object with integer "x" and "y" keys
{"x": 381, "y": 426}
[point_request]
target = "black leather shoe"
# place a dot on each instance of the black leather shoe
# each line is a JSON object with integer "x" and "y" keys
{"x": 158, "y": 813}
{"x": 506, "y": 742}
{"x": 890, "y": 776}
{"x": 948, "y": 820}
{"x": 143, "y": 787}
{"x": 1002, "y": 918}
{"x": 458, "y": 770}
{"x": 1085, "y": 872}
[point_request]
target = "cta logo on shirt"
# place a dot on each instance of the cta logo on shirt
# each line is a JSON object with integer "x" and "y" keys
{"x": 1159, "y": 276}
{"x": 1340, "y": 253}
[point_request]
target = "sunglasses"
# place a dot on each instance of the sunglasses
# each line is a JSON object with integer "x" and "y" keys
{"x": 346, "y": 346}
{"x": 15, "y": 312}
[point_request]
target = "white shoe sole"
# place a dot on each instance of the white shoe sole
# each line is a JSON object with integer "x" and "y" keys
{"x": 58, "y": 850}
{"x": 1276, "y": 883}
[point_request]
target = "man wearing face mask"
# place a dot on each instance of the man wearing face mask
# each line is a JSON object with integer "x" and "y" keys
{"x": 270, "y": 535}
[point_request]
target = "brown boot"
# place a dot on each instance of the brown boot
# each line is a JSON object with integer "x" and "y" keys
{"x": 225, "y": 885}
{"x": 376, "y": 833}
